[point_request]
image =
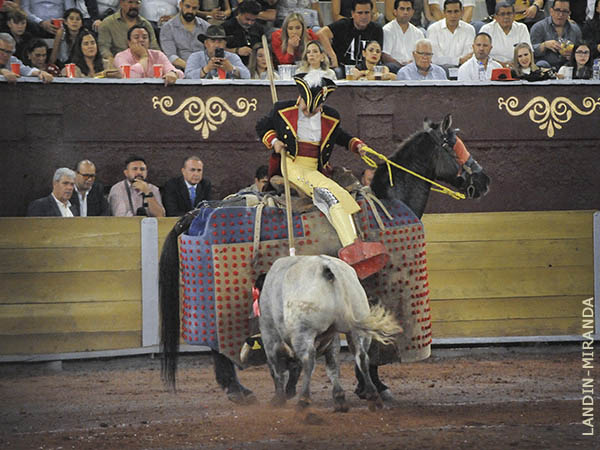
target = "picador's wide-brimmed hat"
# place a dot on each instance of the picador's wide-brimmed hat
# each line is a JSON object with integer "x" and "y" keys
{"x": 314, "y": 88}
{"x": 213, "y": 32}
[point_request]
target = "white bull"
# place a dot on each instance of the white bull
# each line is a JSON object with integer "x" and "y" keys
{"x": 306, "y": 301}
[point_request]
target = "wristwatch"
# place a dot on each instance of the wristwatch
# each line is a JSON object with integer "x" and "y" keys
{"x": 151, "y": 194}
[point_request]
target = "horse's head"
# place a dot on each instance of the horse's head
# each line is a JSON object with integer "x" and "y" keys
{"x": 455, "y": 164}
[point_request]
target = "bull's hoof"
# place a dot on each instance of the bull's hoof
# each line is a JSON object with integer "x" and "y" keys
{"x": 388, "y": 399}
{"x": 313, "y": 419}
{"x": 341, "y": 407}
{"x": 290, "y": 392}
{"x": 278, "y": 401}
{"x": 242, "y": 398}
{"x": 303, "y": 403}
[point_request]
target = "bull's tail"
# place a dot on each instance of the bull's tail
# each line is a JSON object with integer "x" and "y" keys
{"x": 380, "y": 325}
{"x": 169, "y": 301}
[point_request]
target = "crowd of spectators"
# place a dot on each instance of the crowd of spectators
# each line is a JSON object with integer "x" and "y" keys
{"x": 222, "y": 38}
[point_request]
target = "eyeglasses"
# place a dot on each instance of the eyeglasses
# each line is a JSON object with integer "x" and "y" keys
{"x": 87, "y": 175}
{"x": 561, "y": 11}
{"x": 6, "y": 51}
{"x": 582, "y": 52}
{"x": 424, "y": 53}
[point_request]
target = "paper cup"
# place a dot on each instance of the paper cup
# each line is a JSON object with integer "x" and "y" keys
{"x": 15, "y": 68}
{"x": 158, "y": 70}
{"x": 70, "y": 70}
{"x": 126, "y": 70}
{"x": 57, "y": 22}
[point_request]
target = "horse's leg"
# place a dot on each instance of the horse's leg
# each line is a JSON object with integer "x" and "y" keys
{"x": 228, "y": 380}
{"x": 361, "y": 344}
{"x": 332, "y": 365}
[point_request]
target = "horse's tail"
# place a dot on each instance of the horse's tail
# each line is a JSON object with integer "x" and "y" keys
{"x": 169, "y": 301}
{"x": 380, "y": 325}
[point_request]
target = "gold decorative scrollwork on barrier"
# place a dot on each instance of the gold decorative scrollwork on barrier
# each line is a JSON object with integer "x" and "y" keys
{"x": 549, "y": 115}
{"x": 206, "y": 116}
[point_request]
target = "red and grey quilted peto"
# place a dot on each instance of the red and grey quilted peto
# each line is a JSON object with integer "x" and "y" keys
{"x": 218, "y": 273}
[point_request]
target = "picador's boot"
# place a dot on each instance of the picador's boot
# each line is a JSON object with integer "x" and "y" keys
{"x": 366, "y": 258}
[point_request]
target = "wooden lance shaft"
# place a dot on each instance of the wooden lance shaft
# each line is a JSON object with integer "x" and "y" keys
{"x": 286, "y": 182}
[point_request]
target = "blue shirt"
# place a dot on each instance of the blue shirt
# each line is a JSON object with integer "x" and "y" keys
{"x": 40, "y": 10}
{"x": 198, "y": 60}
{"x": 410, "y": 72}
{"x": 544, "y": 31}
{"x": 26, "y": 71}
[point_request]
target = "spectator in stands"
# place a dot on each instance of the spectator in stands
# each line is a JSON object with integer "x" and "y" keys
{"x": 400, "y": 36}
{"x": 435, "y": 6}
{"x": 451, "y": 38}
{"x": 529, "y": 12}
{"x": 185, "y": 192}
{"x": 37, "y": 56}
{"x": 315, "y": 58}
{"x": 142, "y": 60}
{"x": 90, "y": 12}
{"x": 179, "y": 36}
{"x": 215, "y": 12}
{"x": 370, "y": 67}
{"x": 421, "y": 18}
{"x": 65, "y": 37}
{"x": 505, "y": 33}
{"x": 421, "y": 68}
{"x": 261, "y": 182}
{"x": 258, "y": 64}
{"x": 209, "y": 64}
{"x": 134, "y": 196}
{"x": 41, "y": 12}
{"x": 524, "y": 68}
{"x": 345, "y": 39}
{"x": 243, "y": 30}
{"x": 158, "y": 12}
{"x": 309, "y": 9}
{"x": 88, "y": 197}
{"x": 7, "y": 48}
{"x": 470, "y": 70}
{"x": 553, "y": 37}
{"x": 581, "y": 62}
{"x": 16, "y": 24}
{"x": 367, "y": 176}
{"x": 87, "y": 59}
{"x": 290, "y": 41}
{"x": 105, "y": 8}
{"x": 343, "y": 8}
{"x": 56, "y": 204}
{"x": 112, "y": 36}
{"x": 591, "y": 30}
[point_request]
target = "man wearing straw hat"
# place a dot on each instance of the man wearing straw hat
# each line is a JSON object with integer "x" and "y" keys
{"x": 308, "y": 130}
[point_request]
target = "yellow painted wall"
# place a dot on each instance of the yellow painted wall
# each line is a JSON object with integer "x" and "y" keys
{"x": 72, "y": 285}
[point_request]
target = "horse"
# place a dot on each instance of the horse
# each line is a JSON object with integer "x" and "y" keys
{"x": 305, "y": 303}
{"x": 429, "y": 152}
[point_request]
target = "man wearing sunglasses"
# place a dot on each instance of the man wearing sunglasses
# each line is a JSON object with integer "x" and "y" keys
{"x": 89, "y": 193}
{"x": 553, "y": 38}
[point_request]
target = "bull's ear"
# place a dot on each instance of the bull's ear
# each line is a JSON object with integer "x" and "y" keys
{"x": 446, "y": 123}
{"x": 426, "y": 124}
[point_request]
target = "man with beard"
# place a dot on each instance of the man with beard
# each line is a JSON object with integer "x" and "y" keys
{"x": 56, "y": 204}
{"x": 112, "y": 36}
{"x": 243, "y": 30}
{"x": 134, "y": 196}
{"x": 179, "y": 36}
{"x": 89, "y": 193}
{"x": 400, "y": 36}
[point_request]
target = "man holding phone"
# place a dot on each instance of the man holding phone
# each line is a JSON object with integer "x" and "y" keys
{"x": 214, "y": 61}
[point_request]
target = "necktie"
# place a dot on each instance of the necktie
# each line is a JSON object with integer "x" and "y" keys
{"x": 192, "y": 194}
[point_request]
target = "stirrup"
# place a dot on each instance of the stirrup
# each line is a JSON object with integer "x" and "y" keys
{"x": 366, "y": 258}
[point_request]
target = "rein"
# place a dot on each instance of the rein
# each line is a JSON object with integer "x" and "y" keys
{"x": 437, "y": 187}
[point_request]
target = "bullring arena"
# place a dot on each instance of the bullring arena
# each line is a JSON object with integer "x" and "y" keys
{"x": 512, "y": 275}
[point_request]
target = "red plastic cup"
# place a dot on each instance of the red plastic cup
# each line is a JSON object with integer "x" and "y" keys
{"x": 15, "y": 68}
{"x": 158, "y": 70}
{"x": 70, "y": 69}
{"x": 126, "y": 70}
{"x": 57, "y": 22}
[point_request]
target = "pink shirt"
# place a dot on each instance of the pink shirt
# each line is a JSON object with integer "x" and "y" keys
{"x": 137, "y": 70}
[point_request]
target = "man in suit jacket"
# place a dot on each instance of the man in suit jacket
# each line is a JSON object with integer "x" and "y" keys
{"x": 57, "y": 204}
{"x": 182, "y": 194}
{"x": 89, "y": 193}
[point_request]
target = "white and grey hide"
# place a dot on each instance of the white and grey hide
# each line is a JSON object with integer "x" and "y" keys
{"x": 306, "y": 301}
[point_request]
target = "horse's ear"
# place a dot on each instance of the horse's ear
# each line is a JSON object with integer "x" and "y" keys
{"x": 447, "y": 123}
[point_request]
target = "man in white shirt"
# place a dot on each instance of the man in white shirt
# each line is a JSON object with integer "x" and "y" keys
{"x": 56, "y": 204}
{"x": 400, "y": 36}
{"x": 435, "y": 6}
{"x": 505, "y": 33}
{"x": 451, "y": 38}
{"x": 480, "y": 65}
